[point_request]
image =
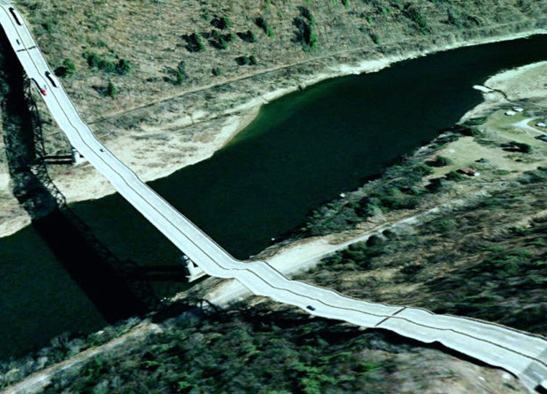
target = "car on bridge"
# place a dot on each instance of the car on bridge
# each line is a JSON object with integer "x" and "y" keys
{"x": 542, "y": 387}
{"x": 41, "y": 89}
{"x": 48, "y": 75}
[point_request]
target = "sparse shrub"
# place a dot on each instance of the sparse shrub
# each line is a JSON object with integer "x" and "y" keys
{"x": 247, "y": 36}
{"x": 440, "y": 161}
{"x": 181, "y": 67}
{"x": 111, "y": 90}
{"x": 219, "y": 41}
{"x": 413, "y": 14}
{"x": 92, "y": 59}
{"x": 246, "y": 60}
{"x": 305, "y": 34}
{"x": 221, "y": 23}
{"x": 454, "y": 176}
{"x": 67, "y": 69}
{"x": 180, "y": 73}
{"x": 447, "y": 138}
{"x": 396, "y": 4}
{"x": 95, "y": 61}
{"x": 106, "y": 66}
{"x": 454, "y": 19}
{"x": 216, "y": 71}
{"x": 306, "y": 13}
{"x": 502, "y": 172}
{"x": 194, "y": 43}
{"x": 123, "y": 67}
{"x": 476, "y": 121}
{"x": 263, "y": 24}
{"x": 514, "y": 146}
{"x": 375, "y": 38}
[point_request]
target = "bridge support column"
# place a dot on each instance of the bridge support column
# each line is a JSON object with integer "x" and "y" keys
{"x": 77, "y": 157}
{"x": 194, "y": 272}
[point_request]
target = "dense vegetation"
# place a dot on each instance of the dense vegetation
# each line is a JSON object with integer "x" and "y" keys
{"x": 254, "y": 350}
{"x": 487, "y": 260}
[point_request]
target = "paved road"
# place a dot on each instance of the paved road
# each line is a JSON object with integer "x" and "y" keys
{"x": 518, "y": 352}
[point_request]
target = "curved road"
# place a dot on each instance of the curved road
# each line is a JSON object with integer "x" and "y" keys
{"x": 520, "y": 353}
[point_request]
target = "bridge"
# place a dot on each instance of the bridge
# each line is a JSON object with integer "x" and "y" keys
{"x": 521, "y": 353}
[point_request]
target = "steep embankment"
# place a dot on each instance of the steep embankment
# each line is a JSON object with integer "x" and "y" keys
{"x": 166, "y": 83}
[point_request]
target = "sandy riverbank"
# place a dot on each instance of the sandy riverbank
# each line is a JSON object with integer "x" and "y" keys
{"x": 155, "y": 149}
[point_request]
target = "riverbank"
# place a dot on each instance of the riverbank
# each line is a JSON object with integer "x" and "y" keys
{"x": 307, "y": 253}
{"x": 161, "y": 138}
{"x": 522, "y": 86}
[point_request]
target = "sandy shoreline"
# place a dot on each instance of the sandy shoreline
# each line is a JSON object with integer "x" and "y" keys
{"x": 156, "y": 158}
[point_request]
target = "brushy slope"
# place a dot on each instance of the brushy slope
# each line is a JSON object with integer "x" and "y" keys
{"x": 168, "y": 47}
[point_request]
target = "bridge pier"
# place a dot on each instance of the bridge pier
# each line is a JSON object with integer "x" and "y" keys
{"x": 194, "y": 272}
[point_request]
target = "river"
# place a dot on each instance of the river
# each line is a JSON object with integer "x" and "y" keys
{"x": 302, "y": 150}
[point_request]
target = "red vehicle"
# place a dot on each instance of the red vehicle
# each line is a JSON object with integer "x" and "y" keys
{"x": 41, "y": 89}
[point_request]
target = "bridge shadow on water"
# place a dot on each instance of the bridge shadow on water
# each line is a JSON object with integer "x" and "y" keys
{"x": 116, "y": 287}
{"x": 99, "y": 280}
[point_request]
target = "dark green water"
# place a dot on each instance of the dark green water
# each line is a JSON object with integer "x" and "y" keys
{"x": 302, "y": 150}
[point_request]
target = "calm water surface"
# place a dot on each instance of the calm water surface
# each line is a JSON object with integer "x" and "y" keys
{"x": 302, "y": 150}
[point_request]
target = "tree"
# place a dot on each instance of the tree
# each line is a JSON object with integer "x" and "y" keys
{"x": 111, "y": 90}
{"x": 68, "y": 68}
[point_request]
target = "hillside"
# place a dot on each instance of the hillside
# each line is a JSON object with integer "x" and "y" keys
{"x": 157, "y": 78}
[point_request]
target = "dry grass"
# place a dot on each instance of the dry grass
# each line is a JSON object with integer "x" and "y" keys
{"x": 150, "y": 35}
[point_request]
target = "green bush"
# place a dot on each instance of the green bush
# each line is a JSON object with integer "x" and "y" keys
{"x": 92, "y": 59}
{"x": 179, "y": 78}
{"x": 476, "y": 121}
{"x": 194, "y": 43}
{"x": 220, "y": 41}
{"x": 454, "y": 176}
{"x": 263, "y": 24}
{"x": 441, "y": 161}
{"x": 246, "y": 60}
{"x": 247, "y": 36}
{"x": 123, "y": 67}
{"x": 514, "y": 146}
{"x": 67, "y": 69}
{"x": 422, "y": 170}
{"x": 420, "y": 20}
{"x": 305, "y": 34}
{"x": 111, "y": 90}
{"x": 221, "y": 23}
{"x": 106, "y": 66}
